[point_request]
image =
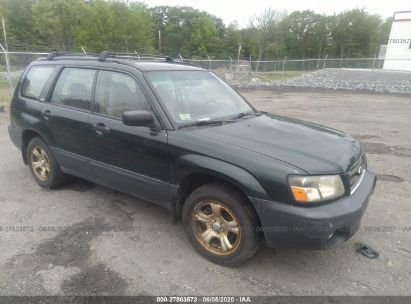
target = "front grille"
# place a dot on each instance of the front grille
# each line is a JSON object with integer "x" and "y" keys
{"x": 356, "y": 171}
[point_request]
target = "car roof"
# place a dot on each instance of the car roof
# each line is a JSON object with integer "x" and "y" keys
{"x": 160, "y": 66}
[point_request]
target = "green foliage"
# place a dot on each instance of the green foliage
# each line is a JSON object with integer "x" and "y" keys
{"x": 307, "y": 34}
{"x": 187, "y": 31}
{"x": 356, "y": 33}
{"x": 115, "y": 26}
{"x": 56, "y": 20}
{"x": 20, "y": 23}
{"x": 129, "y": 26}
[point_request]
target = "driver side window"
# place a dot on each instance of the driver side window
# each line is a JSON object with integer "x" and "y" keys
{"x": 117, "y": 93}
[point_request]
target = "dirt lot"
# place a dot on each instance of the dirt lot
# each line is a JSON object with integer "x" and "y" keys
{"x": 86, "y": 239}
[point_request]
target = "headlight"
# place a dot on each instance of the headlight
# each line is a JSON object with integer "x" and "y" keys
{"x": 313, "y": 189}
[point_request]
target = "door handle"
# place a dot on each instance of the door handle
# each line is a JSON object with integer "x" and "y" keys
{"x": 100, "y": 128}
{"x": 46, "y": 114}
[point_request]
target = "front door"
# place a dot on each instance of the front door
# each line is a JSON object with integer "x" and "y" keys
{"x": 127, "y": 158}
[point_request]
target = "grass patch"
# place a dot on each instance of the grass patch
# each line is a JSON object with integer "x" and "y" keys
{"x": 280, "y": 75}
{"x": 5, "y": 96}
{"x": 266, "y": 76}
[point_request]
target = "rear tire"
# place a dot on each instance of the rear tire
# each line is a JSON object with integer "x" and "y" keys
{"x": 221, "y": 224}
{"x": 43, "y": 166}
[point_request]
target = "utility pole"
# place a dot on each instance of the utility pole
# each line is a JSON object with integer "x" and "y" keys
{"x": 159, "y": 40}
{"x": 4, "y": 34}
{"x": 238, "y": 56}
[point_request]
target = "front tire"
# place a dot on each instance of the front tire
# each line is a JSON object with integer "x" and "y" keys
{"x": 42, "y": 164}
{"x": 221, "y": 224}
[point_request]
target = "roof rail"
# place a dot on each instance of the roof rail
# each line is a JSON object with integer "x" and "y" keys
{"x": 54, "y": 54}
{"x": 103, "y": 55}
{"x": 107, "y": 54}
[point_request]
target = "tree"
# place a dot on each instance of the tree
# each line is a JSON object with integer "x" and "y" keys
{"x": 306, "y": 34}
{"x": 133, "y": 27}
{"x": 116, "y": 26}
{"x": 19, "y": 21}
{"x": 125, "y": 25}
{"x": 264, "y": 34}
{"x": 355, "y": 33}
{"x": 56, "y": 20}
{"x": 187, "y": 31}
{"x": 232, "y": 39}
{"x": 384, "y": 31}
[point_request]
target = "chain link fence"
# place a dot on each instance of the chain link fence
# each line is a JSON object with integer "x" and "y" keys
{"x": 239, "y": 71}
{"x": 12, "y": 64}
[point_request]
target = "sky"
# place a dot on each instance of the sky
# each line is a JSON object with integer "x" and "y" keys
{"x": 242, "y": 10}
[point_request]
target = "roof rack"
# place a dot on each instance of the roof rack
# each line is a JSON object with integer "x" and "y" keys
{"x": 54, "y": 54}
{"x": 51, "y": 55}
{"x": 106, "y": 54}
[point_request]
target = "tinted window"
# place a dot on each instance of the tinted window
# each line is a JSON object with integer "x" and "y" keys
{"x": 74, "y": 88}
{"x": 117, "y": 93}
{"x": 35, "y": 81}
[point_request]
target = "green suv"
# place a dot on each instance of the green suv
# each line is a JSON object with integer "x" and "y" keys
{"x": 179, "y": 137}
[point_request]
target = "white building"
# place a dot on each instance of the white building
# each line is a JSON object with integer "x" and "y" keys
{"x": 398, "y": 54}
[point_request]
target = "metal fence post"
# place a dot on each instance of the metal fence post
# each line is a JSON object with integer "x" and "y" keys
{"x": 285, "y": 60}
{"x": 325, "y": 60}
{"x": 209, "y": 62}
{"x": 6, "y": 56}
{"x": 373, "y": 62}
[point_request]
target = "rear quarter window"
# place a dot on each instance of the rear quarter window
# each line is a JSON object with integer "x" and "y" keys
{"x": 35, "y": 81}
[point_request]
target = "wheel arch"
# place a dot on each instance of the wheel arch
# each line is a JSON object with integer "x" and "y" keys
{"x": 207, "y": 171}
{"x": 27, "y": 136}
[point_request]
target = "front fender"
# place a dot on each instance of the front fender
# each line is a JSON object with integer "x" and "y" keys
{"x": 194, "y": 163}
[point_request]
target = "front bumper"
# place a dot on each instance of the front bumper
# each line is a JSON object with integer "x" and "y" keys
{"x": 318, "y": 227}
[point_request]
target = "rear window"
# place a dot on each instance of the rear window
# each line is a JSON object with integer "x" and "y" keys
{"x": 35, "y": 81}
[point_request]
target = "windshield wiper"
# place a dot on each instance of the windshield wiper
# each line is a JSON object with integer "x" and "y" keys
{"x": 245, "y": 114}
{"x": 210, "y": 122}
{"x": 215, "y": 122}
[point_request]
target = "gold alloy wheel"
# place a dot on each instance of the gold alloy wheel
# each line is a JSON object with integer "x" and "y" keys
{"x": 216, "y": 227}
{"x": 40, "y": 163}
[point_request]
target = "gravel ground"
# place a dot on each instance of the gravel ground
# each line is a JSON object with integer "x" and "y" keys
{"x": 378, "y": 81}
{"x": 84, "y": 239}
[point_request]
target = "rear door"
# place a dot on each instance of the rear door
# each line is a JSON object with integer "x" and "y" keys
{"x": 129, "y": 158}
{"x": 67, "y": 114}
{"x": 28, "y": 101}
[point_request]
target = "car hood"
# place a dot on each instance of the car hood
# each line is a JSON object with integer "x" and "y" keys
{"x": 315, "y": 149}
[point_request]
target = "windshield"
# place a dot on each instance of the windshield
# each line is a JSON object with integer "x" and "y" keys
{"x": 192, "y": 96}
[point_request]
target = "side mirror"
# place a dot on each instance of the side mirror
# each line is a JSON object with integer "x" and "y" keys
{"x": 138, "y": 118}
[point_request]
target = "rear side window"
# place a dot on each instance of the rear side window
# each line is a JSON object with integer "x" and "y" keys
{"x": 74, "y": 87}
{"x": 35, "y": 81}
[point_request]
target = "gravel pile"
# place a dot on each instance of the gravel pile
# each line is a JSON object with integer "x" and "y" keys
{"x": 346, "y": 79}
